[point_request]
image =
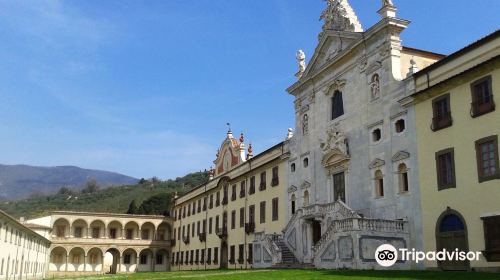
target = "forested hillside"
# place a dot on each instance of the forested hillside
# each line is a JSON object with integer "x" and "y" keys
{"x": 149, "y": 196}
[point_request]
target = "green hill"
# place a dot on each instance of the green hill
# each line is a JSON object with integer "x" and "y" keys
{"x": 150, "y": 196}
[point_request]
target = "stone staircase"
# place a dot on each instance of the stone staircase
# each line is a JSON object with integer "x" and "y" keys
{"x": 288, "y": 259}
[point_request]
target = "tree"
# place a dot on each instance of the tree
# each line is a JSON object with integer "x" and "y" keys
{"x": 65, "y": 191}
{"x": 91, "y": 186}
{"x": 142, "y": 181}
{"x": 156, "y": 205}
{"x": 132, "y": 208}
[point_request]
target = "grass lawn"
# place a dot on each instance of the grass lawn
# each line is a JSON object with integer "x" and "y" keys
{"x": 292, "y": 274}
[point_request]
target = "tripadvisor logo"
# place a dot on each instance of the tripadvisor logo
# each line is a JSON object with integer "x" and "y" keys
{"x": 386, "y": 255}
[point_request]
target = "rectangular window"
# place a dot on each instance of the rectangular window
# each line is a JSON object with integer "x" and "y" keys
{"x": 337, "y": 105}
{"x": 78, "y": 232}
{"x": 275, "y": 209}
{"x": 339, "y": 186}
{"x": 250, "y": 253}
{"x": 202, "y": 257}
{"x": 192, "y": 230}
{"x": 445, "y": 167}
{"x": 199, "y": 206}
{"x": 232, "y": 248}
{"x": 144, "y": 259}
{"x": 211, "y": 201}
{"x": 210, "y": 225}
{"x": 216, "y": 222}
{"x": 242, "y": 189}
{"x": 233, "y": 219}
{"x": 487, "y": 158}
{"x": 95, "y": 232}
{"x": 217, "y": 199}
{"x": 251, "y": 190}
{"x": 491, "y": 227}
{"x": 262, "y": 185}
{"x": 482, "y": 97}
{"x": 441, "y": 112}
{"x": 241, "y": 253}
{"x": 262, "y": 212}
{"x": 216, "y": 255}
{"x": 188, "y": 231}
{"x": 242, "y": 217}
{"x": 197, "y": 259}
{"x": 275, "y": 180}
{"x": 251, "y": 214}
{"x": 127, "y": 259}
{"x": 198, "y": 228}
{"x": 145, "y": 234}
{"x": 233, "y": 194}
{"x": 209, "y": 255}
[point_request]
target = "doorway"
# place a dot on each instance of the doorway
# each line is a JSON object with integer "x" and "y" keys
{"x": 223, "y": 255}
{"x": 451, "y": 234}
{"x": 316, "y": 229}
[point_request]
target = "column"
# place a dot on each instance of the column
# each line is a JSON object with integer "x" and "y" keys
{"x": 85, "y": 262}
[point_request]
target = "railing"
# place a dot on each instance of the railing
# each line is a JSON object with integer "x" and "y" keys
{"x": 270, "y": 243}
{"x": 441, "y": 122}
{"x": 322, "y": 209}
{"x": 360, "y": 224}
{"x": 202, "y": 236}
{"x": 221, "y": 232}
{"x": 479, "y": 108}
{"x": 249, "y": 228}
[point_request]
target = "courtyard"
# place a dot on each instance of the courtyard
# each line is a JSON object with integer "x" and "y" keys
{"x": 300, "y": 274}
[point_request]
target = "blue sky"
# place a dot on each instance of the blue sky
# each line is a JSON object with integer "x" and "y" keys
{"x": 145, "y": 88}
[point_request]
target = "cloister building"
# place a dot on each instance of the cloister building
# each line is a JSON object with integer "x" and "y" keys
{"x": 88, "y": 243}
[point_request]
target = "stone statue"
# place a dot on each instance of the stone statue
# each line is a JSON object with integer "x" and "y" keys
{"x": 387, "y": 3}
{"x": 375, "y": 86}
{"x": 301, "y": 59}
{"x": 336, "y": 139}
{"x": 340, "y": 16}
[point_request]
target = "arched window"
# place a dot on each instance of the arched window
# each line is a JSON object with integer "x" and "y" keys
{"x": 400, "y": 125}
{"x": 306, "y": 162}
{"x": 403, "y": 178}
{"x": 306, "y": 197}
{"x": 379, "y": 184}
{"x": 292, "y": 206}
{"x": 451, "y": 222}
{"x": 292, "y": 167}
{"x": 337, "y": 105}
{"x": 305, "y": 124}
{"x": 375, "y": 86}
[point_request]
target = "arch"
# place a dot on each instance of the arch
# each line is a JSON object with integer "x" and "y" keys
{"x": 148, "y": 231}
{"x": 129, "y": 260}
{"x": 97, "y": 228}
{"x": 161, "y": 260}
{"x": 58, "y": 259}
{"x": 95, "y": 259}
{"x": 131, "y": 230}
{"x": 164, "y": 231}
{"x": 451, "y": 234}
{"x": 306, "y": 197}
{"x": 61, "y": 228}
{"x": 146, "y": 257}
{"x": 111, "y": 261}
{"x": 79, "y": 228}
{"x": 114, "y": 229}
{"x": 76, "y": 259}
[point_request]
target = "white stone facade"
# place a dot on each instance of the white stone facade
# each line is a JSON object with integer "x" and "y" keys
{"x": 23, "y": 252}
{"x": 367, "y": 145}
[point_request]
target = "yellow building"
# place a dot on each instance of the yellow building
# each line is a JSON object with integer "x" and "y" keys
{"x": 457, "y": 128}
{"x": 230, "y": 221}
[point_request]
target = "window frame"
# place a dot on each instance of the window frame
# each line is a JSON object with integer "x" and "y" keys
{"x": 479, "y": 160}
{"x": 438, "y": 174}
{"x": 492, "y": 254}
{"x": 475, "y": 111}
{"x": 436, "y": 125}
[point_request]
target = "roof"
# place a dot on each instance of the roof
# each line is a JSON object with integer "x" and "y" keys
{"x": 110, "y": 214}
{"x": 35, "y": 226}
{"x": 489, "y": 61}
{"x": 458, "y": 53}
{"x": 424, "y": 52}
{"x": 223, "y": 174}
{"x": 14, "y": 220}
